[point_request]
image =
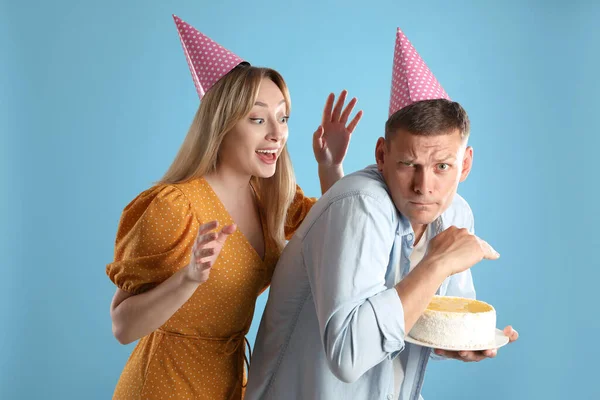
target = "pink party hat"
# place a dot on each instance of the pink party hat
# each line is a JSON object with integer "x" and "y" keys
{"x": 412, "y": 81}
{"x": 208, "y": 60}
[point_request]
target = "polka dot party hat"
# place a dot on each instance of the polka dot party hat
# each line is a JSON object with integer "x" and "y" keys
{"x": 412, "y": 81}
{"x": 208, "y": 60}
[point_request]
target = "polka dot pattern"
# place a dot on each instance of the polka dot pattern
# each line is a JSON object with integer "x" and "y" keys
{"x": 199, "y": 352}
{"x": 412, "y": 80}
{"x": 208, "y": 60}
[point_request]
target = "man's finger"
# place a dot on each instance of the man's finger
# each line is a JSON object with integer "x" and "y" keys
{"x": 511, "y": 333}
{"x": 471, "y": 356}
{"x": 491, "y": 353}
{"x": 488, "y": 251}
{"x": 448, "y": 354}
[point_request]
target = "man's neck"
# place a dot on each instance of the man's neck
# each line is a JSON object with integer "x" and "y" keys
{"x": 419, "y": 231}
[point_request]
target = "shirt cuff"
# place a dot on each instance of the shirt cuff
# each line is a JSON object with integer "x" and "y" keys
{"x": 390, "y": 318}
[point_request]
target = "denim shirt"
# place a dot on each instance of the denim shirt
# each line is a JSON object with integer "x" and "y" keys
{"x": 334, "y": 322}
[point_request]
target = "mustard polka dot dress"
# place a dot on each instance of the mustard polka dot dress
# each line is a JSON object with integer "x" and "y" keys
{"x": 199, "y": 352}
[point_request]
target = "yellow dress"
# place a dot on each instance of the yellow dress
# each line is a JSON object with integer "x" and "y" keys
{"x": 199, "y": 352}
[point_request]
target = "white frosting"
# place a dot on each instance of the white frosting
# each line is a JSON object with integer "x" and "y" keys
{"x": 455, "y": 329}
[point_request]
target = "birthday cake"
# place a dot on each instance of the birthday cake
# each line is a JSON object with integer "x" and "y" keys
{"x": 456, "y": 323}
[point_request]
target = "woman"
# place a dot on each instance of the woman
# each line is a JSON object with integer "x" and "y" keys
{"x": 193, "y": 252}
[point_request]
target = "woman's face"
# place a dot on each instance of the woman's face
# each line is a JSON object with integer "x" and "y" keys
{"x": 254, "y": 144}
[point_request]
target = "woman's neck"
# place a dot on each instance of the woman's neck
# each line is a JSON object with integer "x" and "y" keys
{"x": 227, "y": 181}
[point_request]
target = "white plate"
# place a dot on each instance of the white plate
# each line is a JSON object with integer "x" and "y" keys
{"x": 501, "y": 340}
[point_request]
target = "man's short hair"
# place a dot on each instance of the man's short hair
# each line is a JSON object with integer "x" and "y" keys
{"x": 429, "y": 118}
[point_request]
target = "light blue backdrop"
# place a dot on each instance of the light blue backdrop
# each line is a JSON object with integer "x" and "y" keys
{"x": 96, "y": 97}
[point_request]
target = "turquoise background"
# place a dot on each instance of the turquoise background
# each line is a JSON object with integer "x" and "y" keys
{"x": 96, "y": 97}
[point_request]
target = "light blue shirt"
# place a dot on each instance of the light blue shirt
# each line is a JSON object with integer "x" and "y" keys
{"x": 334, "y": 322}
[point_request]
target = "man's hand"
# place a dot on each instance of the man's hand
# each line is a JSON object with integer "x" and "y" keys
{"x": 476, "y": 356}
{"x": 457, "y": 250}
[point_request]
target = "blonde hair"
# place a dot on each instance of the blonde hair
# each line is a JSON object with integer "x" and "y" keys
{"x": 223, "y": 106}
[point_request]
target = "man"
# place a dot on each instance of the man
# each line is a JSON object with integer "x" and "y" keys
{"x": 370, "y": 256}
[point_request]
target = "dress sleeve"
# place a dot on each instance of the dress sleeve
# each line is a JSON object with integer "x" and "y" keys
{"x": 154, "y": 239}
{"x": 300, "y": 206}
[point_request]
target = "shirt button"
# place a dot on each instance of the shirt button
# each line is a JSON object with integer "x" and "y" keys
{"x": 410, "y": 237}
{"x": 390, "y": 396}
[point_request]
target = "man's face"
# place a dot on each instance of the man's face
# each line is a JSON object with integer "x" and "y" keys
{"x": 423, "y": 172}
